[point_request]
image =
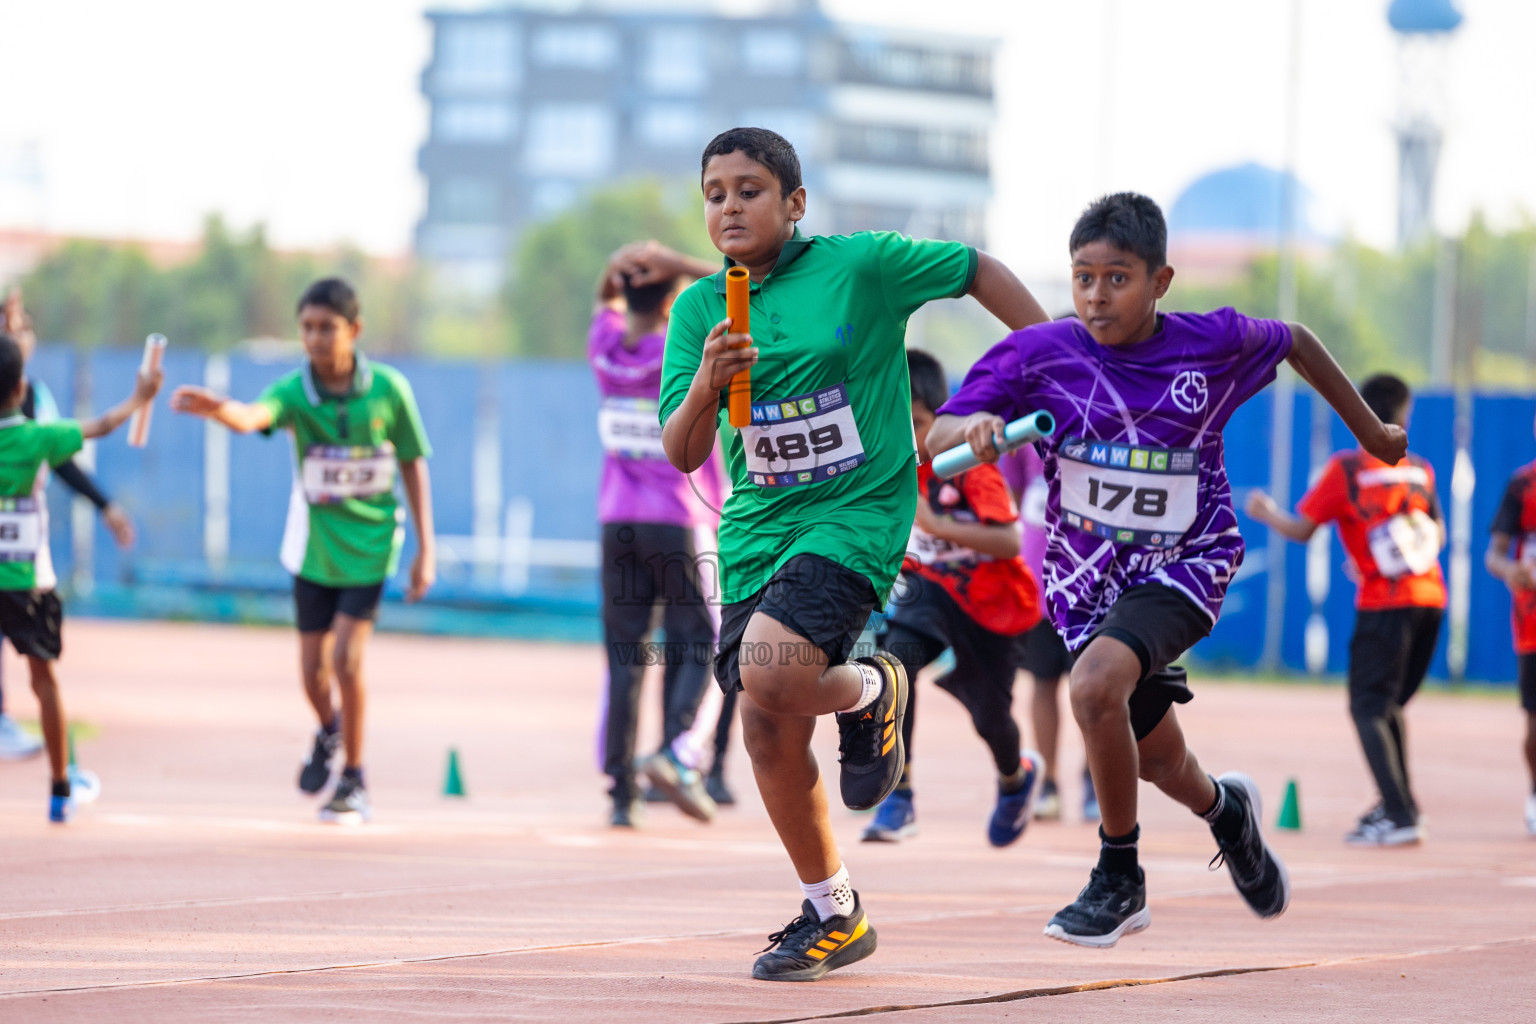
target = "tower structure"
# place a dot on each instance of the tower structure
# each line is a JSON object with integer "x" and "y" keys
{"x": 1424, "y": 29}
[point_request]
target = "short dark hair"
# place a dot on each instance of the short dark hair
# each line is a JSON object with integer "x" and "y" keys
{"x": 770, "y": 149}
{"x": 1387, "y": 395}
{"x": 334, "y": 294}
{"x": 1128, "y": 221}
{"x": 12, "y": 366}
{"x": 647, "y": 298}
{"x": 929, "y": 385}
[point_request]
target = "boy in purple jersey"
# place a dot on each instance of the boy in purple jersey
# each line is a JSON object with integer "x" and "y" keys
{"x": 649, "y": 512}
{"x": 1142, "y": 535}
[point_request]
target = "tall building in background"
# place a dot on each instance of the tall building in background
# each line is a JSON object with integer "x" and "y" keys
{"x": 530, "y": 107}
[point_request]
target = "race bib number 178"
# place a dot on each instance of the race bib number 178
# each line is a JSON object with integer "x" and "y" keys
{"x": 1129, "y": 494}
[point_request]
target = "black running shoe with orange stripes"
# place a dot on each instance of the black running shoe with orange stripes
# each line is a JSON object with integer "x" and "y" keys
{"x": 870, "y": 746}
{"x": 808, "y": 947}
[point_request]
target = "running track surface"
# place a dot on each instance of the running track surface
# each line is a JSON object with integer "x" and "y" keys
{"x": 200, "y": 887}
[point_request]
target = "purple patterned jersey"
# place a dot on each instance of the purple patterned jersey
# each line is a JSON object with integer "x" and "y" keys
{"x": 1138, "y": 489}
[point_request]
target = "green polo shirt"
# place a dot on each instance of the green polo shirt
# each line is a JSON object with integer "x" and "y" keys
{"x": 828, "y": 465}
{"x": 345, "y": 526}
{"x": 27, "y": 445}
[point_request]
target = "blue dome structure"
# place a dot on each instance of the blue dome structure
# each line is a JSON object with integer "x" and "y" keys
{"x": 1243, "y": 202}
{"x": 1423, "y": 17}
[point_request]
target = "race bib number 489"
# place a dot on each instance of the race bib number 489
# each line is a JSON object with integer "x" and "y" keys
{"x": 802, "y": 440}
{"x": 332, "y": 473}
{"x": 1129, "y": 494}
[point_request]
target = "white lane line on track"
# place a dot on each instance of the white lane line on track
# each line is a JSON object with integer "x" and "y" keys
{"x": 738, "y": 932}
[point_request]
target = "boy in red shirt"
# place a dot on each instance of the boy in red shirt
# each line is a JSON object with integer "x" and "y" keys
{"x": 1512, "y": 558}
{"x": 963, "y": 587}
{"x": 1390, "y": 523}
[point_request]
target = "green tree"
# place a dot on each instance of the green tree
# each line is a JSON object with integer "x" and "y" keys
{"x": 554, "y": 271}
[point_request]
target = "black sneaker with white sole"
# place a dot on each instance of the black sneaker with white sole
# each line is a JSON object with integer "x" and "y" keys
{"x": 321, "y": 763}
{"x": 808, "y": 947}
{"x": 1108, "y": 907}
{"x": 1256, "y": 871}
{"x": 870, "y": 746}
{"x": 349, "y": 804}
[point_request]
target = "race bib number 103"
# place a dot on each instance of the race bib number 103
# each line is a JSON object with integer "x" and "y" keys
{"x": 1129, "y": 494}
{"x": 802, "y": 440}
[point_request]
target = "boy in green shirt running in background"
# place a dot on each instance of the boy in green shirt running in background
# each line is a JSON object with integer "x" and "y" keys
{"x": 353, "y": 422}
{"x": 32, "y": 617}
{"x": 825, "y": 489}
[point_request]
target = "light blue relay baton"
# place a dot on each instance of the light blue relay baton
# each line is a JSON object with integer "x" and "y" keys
{"x": 1035, "y": 427}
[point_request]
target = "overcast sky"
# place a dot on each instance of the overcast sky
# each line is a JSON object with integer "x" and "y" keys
{"x": 306, "y": 114}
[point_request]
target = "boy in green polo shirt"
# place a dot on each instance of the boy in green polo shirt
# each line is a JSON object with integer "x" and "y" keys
{"x": 31, "y": 614}
{"x": 825, "y": 489}
{"x": 354, "y": 422}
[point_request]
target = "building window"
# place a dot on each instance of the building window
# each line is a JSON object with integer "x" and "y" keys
{"x": 551, "y": 197}
{"x": 870, "y": 60}
{"x": 588, "y": 47}
{"x": 670, "y": 124}
{"x": 474, "y": 121}
{"x": 569, "y": 140}
{"x": 675, "y": 62}
{"x": 770, "y": 53}
{"x": 476, "y": 55}
{"x": 461, "y": 200}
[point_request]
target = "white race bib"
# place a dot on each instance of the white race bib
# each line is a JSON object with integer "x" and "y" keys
{"x": 333, "y": 473}
{"x": 1405, "y": 545}
{"x": 802, "y": 440}
{"x": 629, "y": 428}
{"x": 930, "y": 550}
{"x": 21, "y": 529}
{"x": 1129, "y": 494}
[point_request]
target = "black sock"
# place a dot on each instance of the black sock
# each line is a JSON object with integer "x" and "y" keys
{"x": 1225, "y": 815}
{"x": 332, "y": 727}
{"x": 355, "y": 774}
{"x": 61, "y": 788}
{"x": 1117, "y": 854}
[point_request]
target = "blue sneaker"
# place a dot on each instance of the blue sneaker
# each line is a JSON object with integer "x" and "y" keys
{"x": 1011, "y": 815}
{"x": 895, "y": 820}
{"x": 1090, "y": 800}
{"x": 61, "y": 809}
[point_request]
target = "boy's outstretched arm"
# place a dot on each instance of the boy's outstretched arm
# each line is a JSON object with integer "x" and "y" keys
{"x": 1315, "y": 365}
{"x": 418, "y": 495}
{"x": 978, "y": 430}
{"x": 1004, "y": 295}
{"x": 144, "y": 391}
{"x": 1262, "y": 508}
{"x": 241, "y": 417}
{"x": 689, "y": 434}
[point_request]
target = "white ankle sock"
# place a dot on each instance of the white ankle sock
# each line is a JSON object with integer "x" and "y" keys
{"x": 874, "y": 685}
{"x": 831, "y": 898}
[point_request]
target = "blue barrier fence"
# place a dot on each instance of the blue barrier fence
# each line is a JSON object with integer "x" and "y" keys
{"x": 514, "y": 481}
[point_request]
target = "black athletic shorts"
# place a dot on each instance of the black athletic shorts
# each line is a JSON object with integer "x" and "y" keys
{"x": 984, "y": 660}
{"x": 824, "y": 602}
{"x": 1389, "y": 655}
{"x": 315, "y": 605}
{"x": 1528, "y": 682}
{"x": 1042, "y": 653}
{"x": 1159, "y": 624}
{"x": 33, "y": 621}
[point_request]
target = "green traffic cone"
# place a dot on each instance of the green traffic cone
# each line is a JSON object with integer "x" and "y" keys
{"x": 1290, "y": 808}
{"x": 453, "y": 785}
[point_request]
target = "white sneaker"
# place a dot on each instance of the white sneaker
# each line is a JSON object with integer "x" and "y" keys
{"x": 16, "y": 744}
{"x": 1382, "y": 832}
{"x": 1530, "y": 814}
{"x": 84, "y": 784}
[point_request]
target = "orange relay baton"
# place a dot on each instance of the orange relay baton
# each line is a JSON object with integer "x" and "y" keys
{"x": 738, "y": 292}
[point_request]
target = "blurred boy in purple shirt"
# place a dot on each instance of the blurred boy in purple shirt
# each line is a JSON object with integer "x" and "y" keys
{"x": 649, "y": 513}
